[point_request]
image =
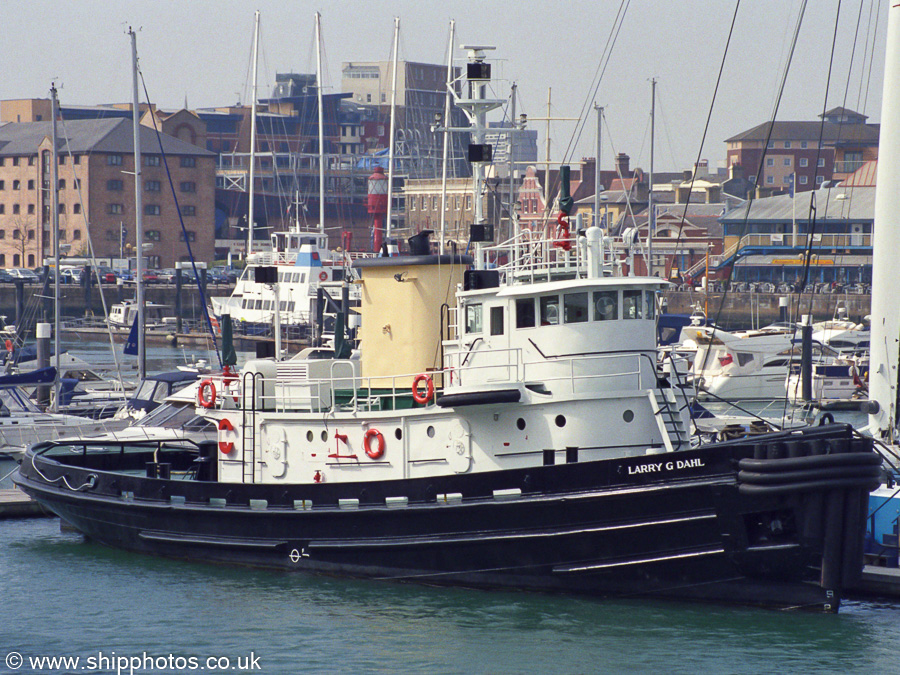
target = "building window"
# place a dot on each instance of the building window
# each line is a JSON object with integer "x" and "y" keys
{"x": 188, "y": 162}
{"x": 17, "y": 185}
{"x": 114, "y": 160}
{"x": 434, "y": 203}
{"x": 804, "y": 161}
{"x": 2, "y": 184}
{"x": 770, "y": 161}
{"x": 412, "y": 203}
{"x": 787, "y": 145}
{"x": 819, "y": 180}
{"x": 804, "y": 180}
{"x": 152, "y": 235}
{"x": 2, "y": 210}
{"x": 30, "y": 235}
{"x": 189, "y": 210}
{"x": 114, "y": 209}
{"x": 188, "y": 186}
{"x": 114, "y": 185}
{"x": 76, "y": 208}
{"x": 821, "y": 161}
{"x": 76, "y": 234}
{"x": 17, "y": 260}
{"x": 15, "y": 209}
{"x": 62, "y": 160}
{"x": 770, "y": 180}
{"x": 31, "y": 161}
{"x": 151, "y": 210}
{"x": 17, "y": 234}
{"x": 771, "y": 145}
{"x": 31, "y": 259}
{"x": 468, "y": 202}
{"x": 803, "y": 144}
{"x": 15, "y": 161}
{"x": 2, "y": 260}
{"x": 787, "y": 161}
{"x": 31, "y": 184}
{"x": 62, "y": 183}
{"x": 191, "y": 235}
{"x": 77, "y": 159}
{"x": 151, "y": 160}
{"x": 152, "y": 186}
{"x": 62, "y": 208}
{"x": 31, "y": 209}
{"x": 153, "y": 261}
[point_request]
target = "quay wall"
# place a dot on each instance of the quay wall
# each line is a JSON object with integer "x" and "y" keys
{"x": 742, "y": 310}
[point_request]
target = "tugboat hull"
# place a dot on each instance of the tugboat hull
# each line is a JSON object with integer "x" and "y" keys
{"x": 772, "y": 521}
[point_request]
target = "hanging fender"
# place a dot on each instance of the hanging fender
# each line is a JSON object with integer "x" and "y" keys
{"x": 225, "y": 447}
{"x": 419, "y": 396}
{"x": 202, "y": 398}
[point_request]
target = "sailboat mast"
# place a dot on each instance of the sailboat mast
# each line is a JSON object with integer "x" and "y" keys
{"x": 390, "y": 185}
{"x": 321, "y": 124}
{"x": 250, "y": 187}
{"x": 446, "y": 135}
{"x": 513, "y": 230}
{"x": 138, "y": 212}
{"x": 597, "y": 186}
{"x": 883, "y": 374}
{"x": 651, "y": 220}
{"x": 54, "y": 192}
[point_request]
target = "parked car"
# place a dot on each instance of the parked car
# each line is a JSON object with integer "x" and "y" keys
{"x": 228, "y": 273}
{"x": 126, "y": 275}
{"x": 6, "y": 277}
{"x": 166, "y": 276}
{"x": 150, "y": 277}
{"x": 25, "y": 275}
{"x": 105, "y": 275}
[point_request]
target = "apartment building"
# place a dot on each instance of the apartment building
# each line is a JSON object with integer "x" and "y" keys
{"x": 96, "y": 193}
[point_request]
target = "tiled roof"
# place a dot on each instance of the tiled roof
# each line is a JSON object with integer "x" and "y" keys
{"x": 88, "y": 136}
{"x": 809, "y": 131}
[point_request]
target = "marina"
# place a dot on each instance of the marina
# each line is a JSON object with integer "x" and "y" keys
{"x": 345, "y": 378}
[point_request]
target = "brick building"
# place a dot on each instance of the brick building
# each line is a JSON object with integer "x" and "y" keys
{"x": 96, "y": 186}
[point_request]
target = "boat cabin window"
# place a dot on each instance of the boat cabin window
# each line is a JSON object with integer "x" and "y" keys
{"x": 649, "y": 304}
{"x": 473, "y": 318}
{"x": 525, "y": 315}
{"x": 606, "y": 305}
{"x": 337, "y": 274}
{"x": 496, "y": 321}
{"x": 743, "y": 358}
{"x": 631, "y": 305}
{"x": 576, "y": 307}
{"x": 550, "y": 310}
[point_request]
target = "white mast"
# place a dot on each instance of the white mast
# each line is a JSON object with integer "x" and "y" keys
{"x": 54, "y": 192}
{"x": 597, "y": 185}
{"x": 321, "y": 124}
{"x": 651, "y": 219}
{"x": 883, "y": 374}
{"x": 250, "y": 187}
{"x": 446, "y": 134}
{"x": 138, "y": 213}
{"x": 390, "y": 184}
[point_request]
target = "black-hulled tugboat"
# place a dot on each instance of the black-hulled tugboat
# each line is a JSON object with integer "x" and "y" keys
{"x": 502, "y": 425}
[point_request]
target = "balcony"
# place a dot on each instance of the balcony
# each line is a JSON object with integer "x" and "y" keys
{"x": 848, "y": 167}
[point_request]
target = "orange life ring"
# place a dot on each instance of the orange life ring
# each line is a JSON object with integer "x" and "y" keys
{"x": 225, "y": 447}
{"x": 418, "y": 396}
{"x": 378, "y": 451}
{"x": 201, "y": 394}
{"x": 9, "y": 346}
{"x": 323, "y": 275}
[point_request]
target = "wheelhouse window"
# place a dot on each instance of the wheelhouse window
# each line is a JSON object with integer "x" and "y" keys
{"x": 525, "y": 315}
{"x": 550, "y": 310}
{"x": 496, "y": 321}
{"x": 575, "y": 306}
{"x": 606, "y": 305}
{"x": 650, "y": 304}
{"x": 631, "y": 305}
{"x": 473, "y": 318}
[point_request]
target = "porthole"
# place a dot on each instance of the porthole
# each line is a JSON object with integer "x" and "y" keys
{"x": 628, "y": 415}
{"x": 430, "y": 431}
{"x": 560, "y": 420}
{"x": 309, "y": 436}
{"x": 520, "y": 424}
{"x": 324, "y": 435}
{"x": 398, "y": 433}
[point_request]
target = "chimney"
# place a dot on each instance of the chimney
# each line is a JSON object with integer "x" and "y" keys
{"x": 687, "y": 175}
{"x": 735, "y": 171}
{"x": 701, "y": 169}
{"x": 622, "y": 162}
{"x": 714, "y": 194}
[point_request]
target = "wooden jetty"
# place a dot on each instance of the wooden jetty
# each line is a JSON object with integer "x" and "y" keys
{"x": 16, "y": 504}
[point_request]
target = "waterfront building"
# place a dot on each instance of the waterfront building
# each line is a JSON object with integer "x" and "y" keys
{"x": 793, "y": 149}
{"x": 96, "y": 186}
